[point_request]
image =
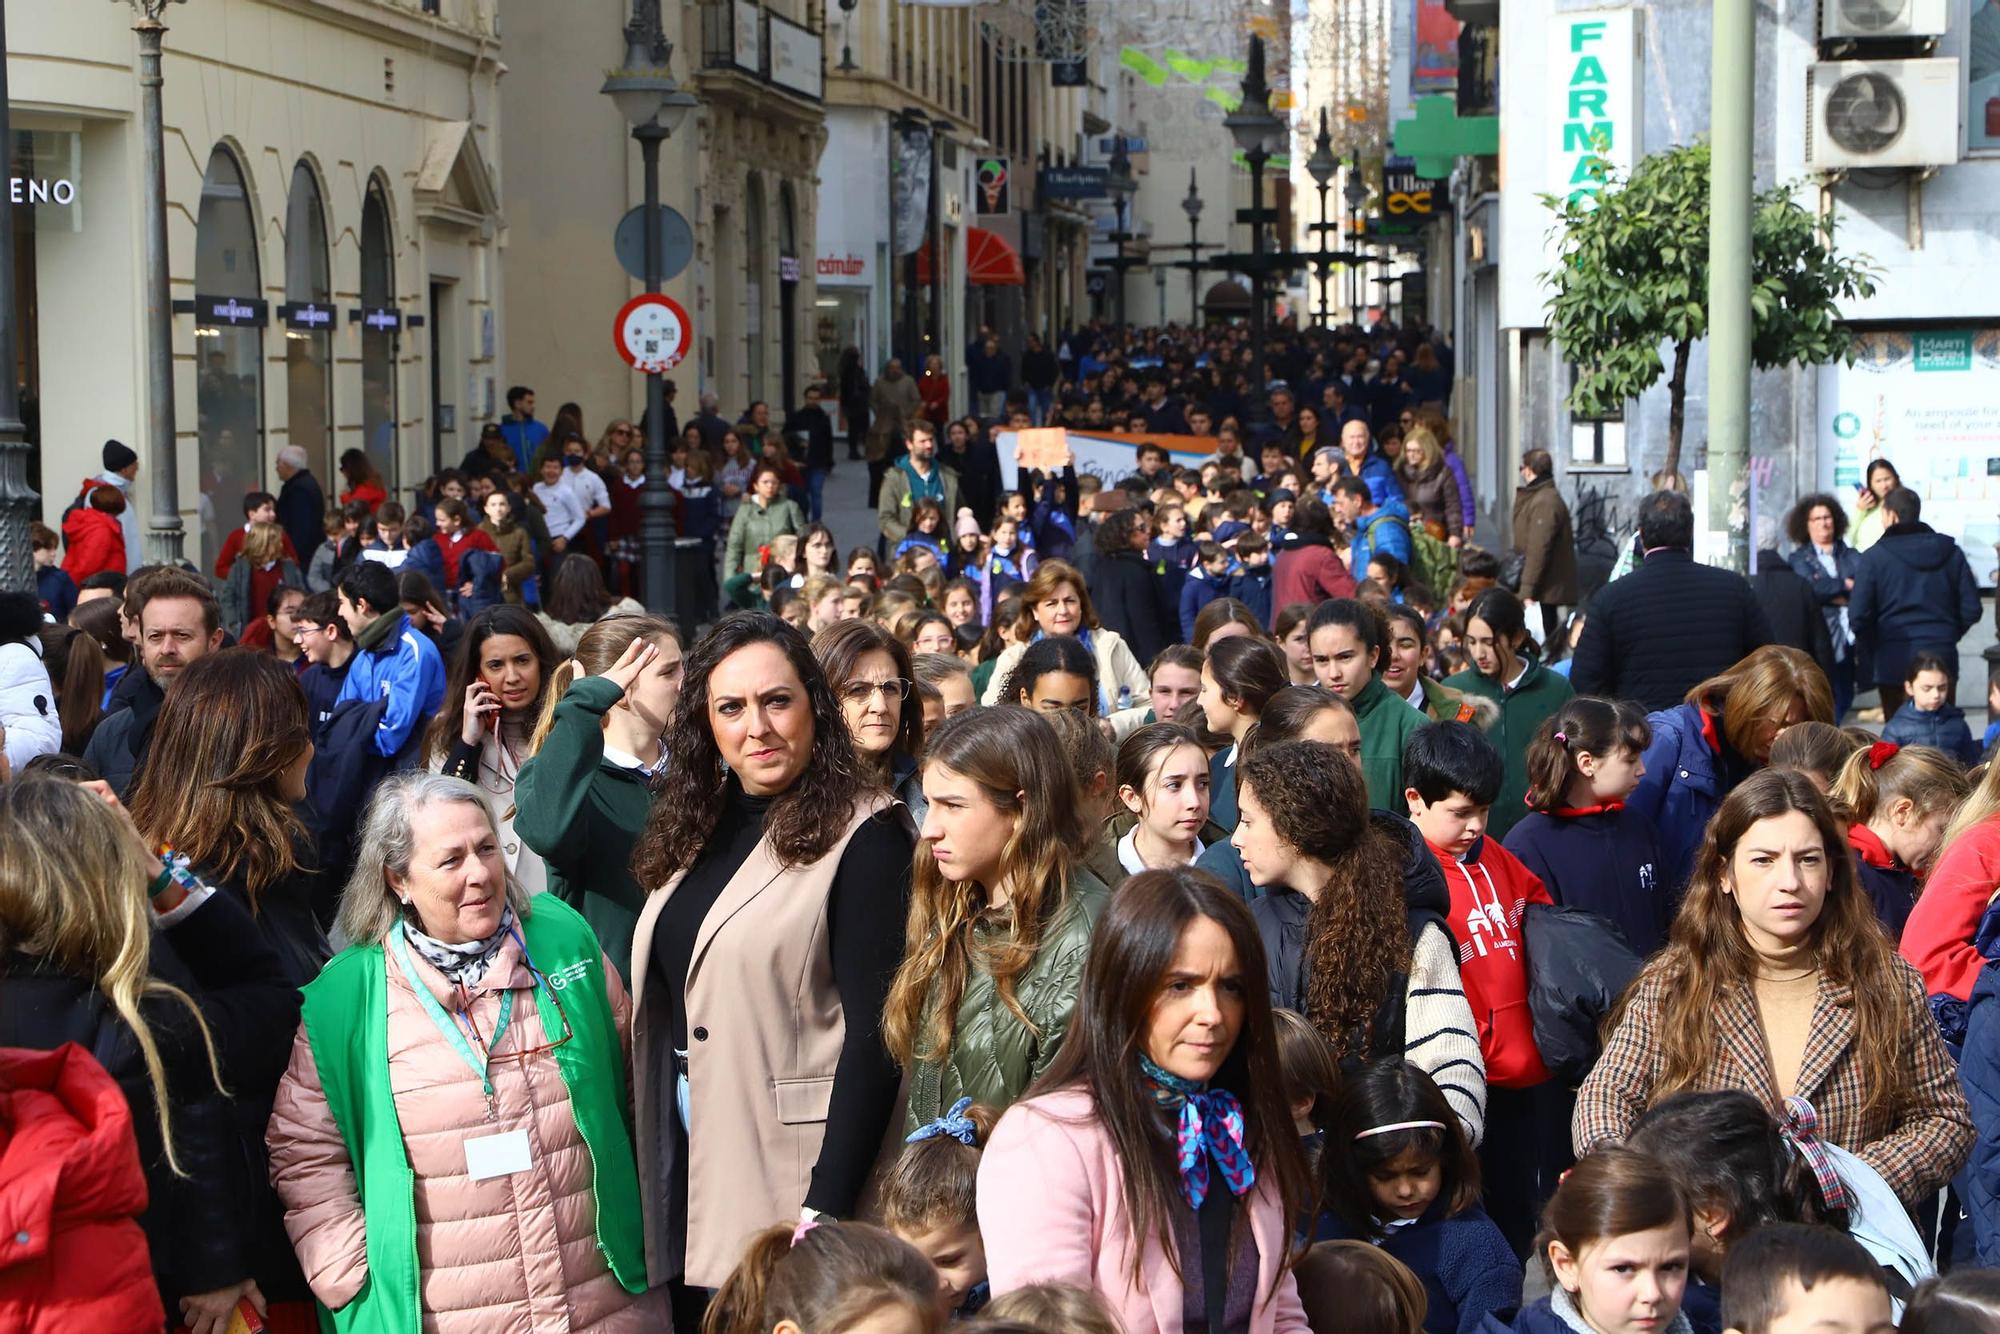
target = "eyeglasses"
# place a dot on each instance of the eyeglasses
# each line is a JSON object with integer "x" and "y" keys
{"x": 621, "y": 430}
{"x": 860, "y": 692}
{"x": 554, "y": 993}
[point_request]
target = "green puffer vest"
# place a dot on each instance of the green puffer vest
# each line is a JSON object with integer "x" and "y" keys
{"x": 993, "y": 1058}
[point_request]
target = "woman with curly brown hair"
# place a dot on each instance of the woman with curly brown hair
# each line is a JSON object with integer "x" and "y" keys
{"x": 1001, "y": 910}
{"x": 1354, "y": 920}
{"x": 1778, "y": 981}
{"x": 759, "y": 964}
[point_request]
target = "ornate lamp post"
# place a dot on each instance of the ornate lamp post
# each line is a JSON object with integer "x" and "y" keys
{"x": 654, "y": 105}
{"x": 1122, "y": 187}
{"x": 1192, "y": 206}
{"x": 1321, "y": 166}
{"x": 1257, "y": 133}
{"x": 163, "y": 530}
{"x": 1356, "y": 194}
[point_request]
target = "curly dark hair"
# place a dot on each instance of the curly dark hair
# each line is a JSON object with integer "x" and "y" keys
{"x": 1356, "y": 938}
{"x": 805, "y": 821}
{"x": 1795, "y": 522}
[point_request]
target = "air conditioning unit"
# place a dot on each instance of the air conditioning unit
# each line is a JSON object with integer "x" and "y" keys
{"x": 1882, "y": 113}
{"x": 1862, "y": 19}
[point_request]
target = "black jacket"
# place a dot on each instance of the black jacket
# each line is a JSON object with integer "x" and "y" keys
{"x": 1792, "y": 609}
{"x": 978, "y": 470}
{"x": 117, "y": 749}
{"x": 1913, "y": 590}
{"x": 1126, "y": 593}
{"x": 813, "y": 423}
{"x": 200, "y": 1236}
{"x": 1282, "y": 916}
{"x": 1670, "y": 624}
{"x": 302, "y": 512}
{"x": 1578, "y": 966}
{"x": 1040, "y": 369}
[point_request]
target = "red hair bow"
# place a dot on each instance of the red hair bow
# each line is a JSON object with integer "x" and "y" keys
{"x": 1879, "y": 753}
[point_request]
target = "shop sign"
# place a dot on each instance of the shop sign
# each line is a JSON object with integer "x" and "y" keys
{"x": 795, "y": 57}
{"x": 1593, "y": 100}
{"x": 379, "y": 319}
{"x": 788, "y": 269}
{"x": 308, "y": 315}
{"x": 851, "y": 267}
{"x": 748, "y": 54}
{"x": 992, "y": 181}
{"x": 235, "y": 311}
{"x": 40, "y": 190}
{"x": 1073, "y": 182}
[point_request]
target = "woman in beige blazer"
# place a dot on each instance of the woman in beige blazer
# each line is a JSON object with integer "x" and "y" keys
{"x": 761, "y": 961}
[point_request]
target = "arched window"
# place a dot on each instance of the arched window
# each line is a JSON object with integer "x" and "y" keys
{"x": 229, "y": 388}
{"x": 309, "y": 345}
{"x": 378, "y": 344}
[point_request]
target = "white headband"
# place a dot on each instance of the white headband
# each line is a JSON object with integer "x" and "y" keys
{"x": 1402, "y": 1125}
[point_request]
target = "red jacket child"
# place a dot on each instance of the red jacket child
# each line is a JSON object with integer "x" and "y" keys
{"x": 95, "y": 541}
{"x": 1490, "y": 890}
{"x": 72, "y": 1256}
{"x": 1938, "y": 937}
{"x": 453, "y": 546}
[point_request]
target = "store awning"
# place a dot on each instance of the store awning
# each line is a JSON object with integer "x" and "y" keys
{"x": 989, "y": 261}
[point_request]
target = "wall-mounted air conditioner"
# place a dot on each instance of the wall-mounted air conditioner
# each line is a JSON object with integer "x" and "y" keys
{"x": 1882, "y": 113}
{"x": 1862, "y": 19}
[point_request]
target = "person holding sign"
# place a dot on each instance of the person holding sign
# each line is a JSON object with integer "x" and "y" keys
{"x": 463, "y": 1064}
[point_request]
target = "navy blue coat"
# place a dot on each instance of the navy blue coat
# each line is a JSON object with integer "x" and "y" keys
{"x": 1944, "y": 728}
{"x": 1607, "y": 862}
{"x": 1684, "y": 785}
{"x": 1913, "y": 590}
{"x": 1979, "y": 1071}
{"x": 1252, "y": 587}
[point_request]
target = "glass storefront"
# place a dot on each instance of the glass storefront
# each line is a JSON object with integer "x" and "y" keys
{"x": 229, "y": 385}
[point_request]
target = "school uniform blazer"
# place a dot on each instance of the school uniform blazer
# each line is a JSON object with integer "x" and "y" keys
{"x": 1052, "y": 1210}
{"x": 1916, "y": 1142}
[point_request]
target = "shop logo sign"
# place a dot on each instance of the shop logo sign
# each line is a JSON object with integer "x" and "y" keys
{"x": 1943, "y": 352}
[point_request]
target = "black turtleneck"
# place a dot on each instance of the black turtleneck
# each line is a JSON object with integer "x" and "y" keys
{"x": 865, "y": 910}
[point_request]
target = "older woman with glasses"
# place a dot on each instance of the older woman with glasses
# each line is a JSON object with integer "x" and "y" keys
{"x": 869, "y": 670}
{"x": 451, "y": 1139}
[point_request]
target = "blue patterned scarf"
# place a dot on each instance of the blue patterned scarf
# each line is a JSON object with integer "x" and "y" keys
{"x": 1210, "y": 1125}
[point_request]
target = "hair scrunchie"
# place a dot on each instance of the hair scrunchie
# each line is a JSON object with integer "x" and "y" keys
{"x": 1881, "y": 752}
{"x": 1799, "y": 1128}
{"x": 954, "y": 1124}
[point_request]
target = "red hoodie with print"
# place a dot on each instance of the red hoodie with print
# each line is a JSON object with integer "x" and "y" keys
{"x": 1490, "y": 890}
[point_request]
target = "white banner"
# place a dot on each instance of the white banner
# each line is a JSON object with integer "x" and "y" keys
{"x": 1111, "y": 457}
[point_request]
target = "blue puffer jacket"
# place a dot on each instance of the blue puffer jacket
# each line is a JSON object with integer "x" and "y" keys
{"x": 1685, "y": 783}
{"x": 406, "y": 672}
{"x": 1944, "y": 728}
{"x": 1979, "y": 1071}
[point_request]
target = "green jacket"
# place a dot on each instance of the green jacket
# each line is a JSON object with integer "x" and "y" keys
{"x": 754, "y": 527}
{"x": 993, "y": 1058}
{"x": 583, "y": 814}
{"x": 1386, "y": 723}
{"x": 1537, "y": 697}
{"x": 346, "y": 1015}
{"x": 898, "y": 497}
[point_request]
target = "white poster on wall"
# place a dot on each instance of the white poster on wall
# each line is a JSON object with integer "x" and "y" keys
{"x": 1586, "y": 118}
{"x": 1929, "y": 402}
{"x": 853, "y": 219}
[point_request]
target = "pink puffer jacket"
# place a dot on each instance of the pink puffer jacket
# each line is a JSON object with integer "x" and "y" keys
{"x": 509, "y": 1255}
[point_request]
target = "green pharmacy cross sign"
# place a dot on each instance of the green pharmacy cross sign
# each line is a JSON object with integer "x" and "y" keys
{"x": 1437, "y": 136}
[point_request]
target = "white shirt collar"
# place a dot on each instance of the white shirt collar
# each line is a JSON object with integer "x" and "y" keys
{"x": 613, "y": 755}
{"x": 1229, "y": 756}
{"x": 1128, "y": 851}
{"x": 1525, "y": 664}
{"x": 1417, "y": 695}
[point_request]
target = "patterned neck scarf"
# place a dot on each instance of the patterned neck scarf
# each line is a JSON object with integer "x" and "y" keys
{"x": 462, "y": 965}
{"x": 1210, "y": 1124}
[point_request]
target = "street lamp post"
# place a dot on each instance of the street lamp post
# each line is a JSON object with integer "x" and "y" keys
{"x": 1192, "y": 206}
{"x": 162, "y": 457}
{"x": 1356, "y": 194}
{"x": 654, "y": 105}
{"x": 1256, "y": 131}
{"x": 1119, "y": 183}
{"x": 1321, "y": 167}
{"x": 17, "y": 499}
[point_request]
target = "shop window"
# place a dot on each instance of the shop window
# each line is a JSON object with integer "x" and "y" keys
{"x": 309, "y": 332}
{"x": 229, "y": 386}
{"x": 378, "y": 337}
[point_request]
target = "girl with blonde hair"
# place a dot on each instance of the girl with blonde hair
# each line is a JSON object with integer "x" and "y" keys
{"x": 1898, "y": 800}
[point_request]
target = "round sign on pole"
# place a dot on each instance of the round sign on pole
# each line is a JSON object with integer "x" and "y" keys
{"x": 652, "y": 332}
{"x": 628, "y": 242}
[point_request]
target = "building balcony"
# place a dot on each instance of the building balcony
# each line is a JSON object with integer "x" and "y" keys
{"x": 741, "y": 39}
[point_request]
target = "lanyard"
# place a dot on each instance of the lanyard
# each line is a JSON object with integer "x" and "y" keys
{"x": 451, "y": 1029}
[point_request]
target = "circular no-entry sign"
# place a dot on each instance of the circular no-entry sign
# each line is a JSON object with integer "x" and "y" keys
{"x": 652, "y": 332}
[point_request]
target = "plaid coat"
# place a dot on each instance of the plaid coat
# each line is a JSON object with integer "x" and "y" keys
{"x": 1917, "y": 1143}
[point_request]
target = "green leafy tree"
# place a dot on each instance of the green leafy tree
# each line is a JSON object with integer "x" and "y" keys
{"x": 1634, "y": 277}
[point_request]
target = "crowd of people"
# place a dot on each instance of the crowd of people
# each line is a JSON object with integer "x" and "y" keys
{"x": 1230, "y": 898}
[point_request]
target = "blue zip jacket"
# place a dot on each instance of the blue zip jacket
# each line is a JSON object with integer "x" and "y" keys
{"x": 1684, "y": 785}
{"x": 1197, "y": 591}
{"x": 406, "y": 673}
{"x": 1979, "y": 1072}
{"x": 1383, "y": 486}
{"x": 1387, "y": 530}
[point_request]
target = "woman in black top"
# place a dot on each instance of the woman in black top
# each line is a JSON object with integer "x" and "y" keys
{"x": 761, "y": 961}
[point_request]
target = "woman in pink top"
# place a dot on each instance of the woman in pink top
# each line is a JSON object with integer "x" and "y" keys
{"x": 1156, "y": 1162}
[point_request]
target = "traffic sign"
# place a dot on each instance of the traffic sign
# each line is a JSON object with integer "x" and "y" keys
{"x": 652, "y": 332}
{"x": 676, "y": 243}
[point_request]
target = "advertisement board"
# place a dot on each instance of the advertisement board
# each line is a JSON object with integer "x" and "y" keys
{"x": 1107, "y": 456}
{"x": 1929, "y": 402}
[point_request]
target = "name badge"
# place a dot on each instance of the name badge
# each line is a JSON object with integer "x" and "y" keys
{"x": 492, "y": 1156}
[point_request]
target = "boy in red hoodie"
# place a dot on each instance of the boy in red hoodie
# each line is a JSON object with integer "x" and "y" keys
{"x": 1454, "y": 773}
{"x": 95, "y": 538}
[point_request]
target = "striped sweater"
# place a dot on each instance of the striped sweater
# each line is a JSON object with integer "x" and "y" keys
{"x": 1439, "y": 1033}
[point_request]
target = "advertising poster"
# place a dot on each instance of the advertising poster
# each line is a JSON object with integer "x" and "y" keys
{"x": 1929, "y": 402}
{"x": 1106, "y": 456}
